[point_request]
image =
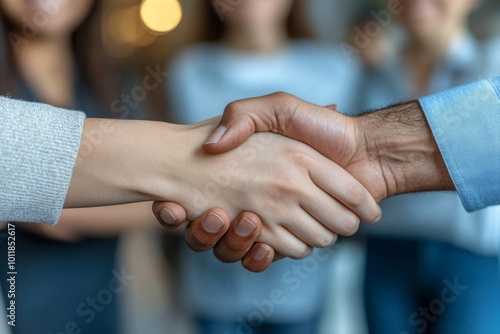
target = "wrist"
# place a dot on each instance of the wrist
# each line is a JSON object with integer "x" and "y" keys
{"x": 163, "y": 156}
{"x": 178, "y": 166}
{"x": 123, "y": 161}
{"x": 399, "y": 141}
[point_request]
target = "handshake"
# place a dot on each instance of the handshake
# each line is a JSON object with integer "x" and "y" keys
{"x": 288, "y": 195}
{"x": 290, "y": 175}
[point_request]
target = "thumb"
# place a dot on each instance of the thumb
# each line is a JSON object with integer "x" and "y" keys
{"x": 170, "y": 215}
{"x": 235, "y": 127}
{"x": 243, "y": 118}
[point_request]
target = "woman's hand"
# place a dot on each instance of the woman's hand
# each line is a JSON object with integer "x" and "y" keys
{"x": 299, "y": 194}
{"x": 302, "y": 198}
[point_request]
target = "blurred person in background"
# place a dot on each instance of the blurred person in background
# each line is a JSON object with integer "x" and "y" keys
{"x": 260, "y": 47}
{"x": 51, "y": 51}
{"x": 486, "y": 20}
{"x": 431, "y": 266}
{"x": 379, "y": 46}
{"x": 330, "y": 18}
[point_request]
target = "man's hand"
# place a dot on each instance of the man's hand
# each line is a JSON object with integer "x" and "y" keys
{"x": 231, "y": 242}
{"x": 390, "y": 152}
{"x": 334, "y": 135}
{"x": 279, "y": 113}
{"x": 299, "y": 194}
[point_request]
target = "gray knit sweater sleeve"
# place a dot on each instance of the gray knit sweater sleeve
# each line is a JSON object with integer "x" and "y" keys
{"x": 38, "y": 150}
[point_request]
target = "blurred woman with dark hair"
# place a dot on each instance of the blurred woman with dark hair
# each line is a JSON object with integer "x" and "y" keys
{"x": 256, "y": 47}
{"x": 51, "y": 52}
{"x": 65, "y": 39}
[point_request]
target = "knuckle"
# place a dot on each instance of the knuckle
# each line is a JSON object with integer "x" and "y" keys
{"x": 287, "y": 186}
{"x": 301, "y": 252}
{"x": 280, "y": 95}
{"x": 326, "y": 240}
{"x": 254, "y": 266}
{"x": 356, "y": 195}
{"x": 198, "y": 242}
{"x": 233, "y": 107}
{"x": 288, "y": 189}
{"x": 222, "y": 256}
{"x": 194, "y": 246}
{"x": 348, "y": 225}
{"x": 234, "y": 244}
{"x": 297, "y": 156}
{"x": 285, "y": 105}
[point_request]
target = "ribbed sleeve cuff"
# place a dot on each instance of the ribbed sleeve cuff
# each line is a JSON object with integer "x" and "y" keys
{"x": 38, "y": 150}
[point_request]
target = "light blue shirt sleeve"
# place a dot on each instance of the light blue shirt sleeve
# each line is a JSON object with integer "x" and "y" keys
{"x": 465, "y": 122}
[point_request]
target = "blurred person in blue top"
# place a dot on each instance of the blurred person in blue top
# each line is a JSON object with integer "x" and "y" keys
{"x": 431, "y": 266}
{"x": 51, "y": 51}
{"x": 260, "y": 47}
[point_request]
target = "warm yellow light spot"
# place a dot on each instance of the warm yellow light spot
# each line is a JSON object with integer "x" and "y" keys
{"x": 124, "y": 27}
{"x": 161, "y": 15}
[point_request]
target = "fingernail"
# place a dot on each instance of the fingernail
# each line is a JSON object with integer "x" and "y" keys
{"x": 378, "y": 219}
{"x": 213, "y": 223}
{"x": 215, "y": 137}
{"x": 245, "y": 228}
{"x": 260, "y": 253}
{"x": 168, "y": 217}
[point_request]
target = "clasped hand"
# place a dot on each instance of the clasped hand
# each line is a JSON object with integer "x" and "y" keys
{"x": 283, "y": 196}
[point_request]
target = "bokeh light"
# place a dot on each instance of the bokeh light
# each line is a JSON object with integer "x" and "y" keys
{"x": 161, "y": 15}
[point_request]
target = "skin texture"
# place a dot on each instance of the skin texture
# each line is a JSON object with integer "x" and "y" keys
{"x": 298, "y": 193}
{"x": 253, "y": 27}
{"x": 390, "y": 152}
{"x": 46, "y": 63}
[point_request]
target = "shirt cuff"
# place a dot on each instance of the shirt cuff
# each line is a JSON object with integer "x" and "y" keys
{"x": 465, "y": 122}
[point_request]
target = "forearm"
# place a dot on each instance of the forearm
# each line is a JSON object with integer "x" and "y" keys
{"x": 400, "y": 140}
{"x": 447, "y": 141}
{"x": 116, "y": 161}
{"x": 125, "y": 161}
